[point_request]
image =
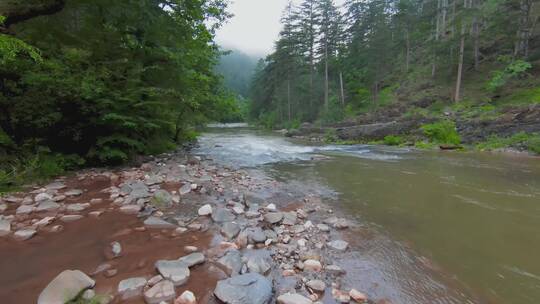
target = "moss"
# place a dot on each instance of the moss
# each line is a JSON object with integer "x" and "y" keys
{"x": 425, "y": 145}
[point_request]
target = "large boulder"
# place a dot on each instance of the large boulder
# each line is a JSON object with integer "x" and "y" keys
{"x": 230, "y": 230}
{"x": 193, "y": 259}
{"x": 162, "y": 199}
{"x": 232, "y": 262}
{"x": 273, "y": 217}
{"x": 65, "y": 287}
{"x": 250, "y": 288}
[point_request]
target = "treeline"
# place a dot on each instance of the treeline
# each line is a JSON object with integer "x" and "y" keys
{"x": 101, "y": 81}
{"x": 331, "y": 62}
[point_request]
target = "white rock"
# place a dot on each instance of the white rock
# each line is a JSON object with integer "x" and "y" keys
{"x": 65, "y": 287}
{"x": 205, "y": 210}
{"x": 271, "y": 207}
{"x": 70, "y": 218}
{"x": 77, "y": 207}
{"x": 316, "y": 285}
{"x": 132, "y": 287}
{"x": 130, "y": 209}
{"x": 187, "y": 297}
{"x": 3, "y": 207}
{"x": 44, "y": 222}
{"x": 339, "y": 245}
{"x": 175, "y": 271}
{"x": 194, "y": 187}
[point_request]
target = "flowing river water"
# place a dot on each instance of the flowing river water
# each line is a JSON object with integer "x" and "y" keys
{"x": 470, "y": 220}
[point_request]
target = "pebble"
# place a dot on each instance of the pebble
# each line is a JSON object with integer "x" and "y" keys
{"x": 70, "y": 218}
{"x": 205, "y": 210}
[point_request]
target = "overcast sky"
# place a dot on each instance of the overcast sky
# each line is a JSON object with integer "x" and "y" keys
{"x": 255, "y": 25}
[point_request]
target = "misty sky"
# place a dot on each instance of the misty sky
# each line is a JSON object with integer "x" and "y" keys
{"x": 255, "y": 25}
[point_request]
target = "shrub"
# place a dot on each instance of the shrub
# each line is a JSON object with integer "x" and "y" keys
{"x": 519, "y": 140}
{"x": 513, "y": 70}
{"x": 393, "y": 140}
{"x": 443, "y": 132}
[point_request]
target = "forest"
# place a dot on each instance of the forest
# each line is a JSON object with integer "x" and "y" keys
{"x": 447, "y": 60}
{"x": 99, "y": 82}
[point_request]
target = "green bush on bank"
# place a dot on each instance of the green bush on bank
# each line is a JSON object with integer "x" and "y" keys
{"x": 442, "y": 132}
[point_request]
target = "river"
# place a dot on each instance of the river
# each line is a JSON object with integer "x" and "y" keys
{"x": 440, "y": 227}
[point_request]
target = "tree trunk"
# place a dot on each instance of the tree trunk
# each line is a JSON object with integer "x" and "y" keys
{"x": 289, "y": 98}
{"x": 326, "y": 87}
{"x": 342, "y": 90}
{"x": 457, "y": 95}
{"x": 24, "y": 10}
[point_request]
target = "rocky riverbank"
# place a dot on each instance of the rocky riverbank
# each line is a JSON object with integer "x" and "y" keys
{"x": 177, "y": 229}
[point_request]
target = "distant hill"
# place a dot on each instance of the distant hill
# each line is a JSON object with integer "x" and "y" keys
{"x": 237, "y": 69}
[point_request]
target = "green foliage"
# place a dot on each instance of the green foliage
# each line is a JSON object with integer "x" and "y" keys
{"x": 137, "y": 83}
{"x": 393, "y": 140}
{"x": 425, "y": 145}
{"x": 513, "y": 70}
{"x": 443, "y": 132}
{"x": 334, "y": 113}
{"x": 524, "y": 140}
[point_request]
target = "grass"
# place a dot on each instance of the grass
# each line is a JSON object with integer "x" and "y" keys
{"x": 531, "y": 142}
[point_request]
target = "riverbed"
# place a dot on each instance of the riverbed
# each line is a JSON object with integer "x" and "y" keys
{"x": 437, "y": 227}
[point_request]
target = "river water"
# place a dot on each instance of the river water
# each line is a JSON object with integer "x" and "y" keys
{"x": 471, "y": 220}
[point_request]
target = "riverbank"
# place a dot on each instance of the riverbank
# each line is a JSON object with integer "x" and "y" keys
{"x": 511, "y": 128}
{"x": 157, "y": 232}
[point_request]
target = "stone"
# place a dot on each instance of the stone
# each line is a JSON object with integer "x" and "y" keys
{"x": 258, "y": 264}
{"x": 250, "y": 288}
{"x": 185, "y": 189}
{"x": 256, "y": 235}
{"x": 190, "y": 249}
{"x": 187, "y": 297}
{"x": 12, "y": 199}
{"x": 25, "y": 209}
{"x": 340, "y": 296}
{"x": 24, "y": 234}
{"x": 43, "y": 197}
{"x": 289, "y": 218}
{"x": 161, "y": 199}
{"x": 293, "y": 298}
{"x": 101, "y": 268}
{"x": 232, "y": 261}
{"x": 55, "y": 186}
{"x": 339, "y": 245}
{"x": 205, "y": 210}
{"x": 44, "y": 222}
{"x": 271, "y": 207}
{"x": 153, "y": 180}
{"x": 175, "y": 271}
{"x": 88, "y": 294}
{"x": 334, "y": 270}
{"x": 5, "y": 226}
{"x": 331, "y": 220}
{"x": 116, "y": 249}
{"x": 73, "y": 192}
{"x": 132, "y": 287}
{"x": 192, "y": 259}
{"x": 77, "y": 207}
{"x": 323, "y": 227}
{"x": 230, "y": 230}
{"x": 357, "y": 296}
{"x": 238, "y": 210}
{"x": 308, "y": 225}
{"x": 47, "y": 206}
{"x": 130, "y": 209}
{"x": 70, "y": 218}
{"x": 96, "y": 201}
{"x": 273, "y": 217}
{"x": 162, "y": 291}
{"x": 65, "y": 287}
{"x": 158, "y": 223}
{"x": 316, "y": 285}
{"x": 221, "y": 215}
{"x": 154, "y": 280}
{"x": 312, "y": 265}
{"x": 3, "y": 207}
{"x": 341, "y": 223}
